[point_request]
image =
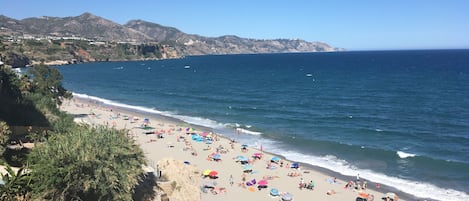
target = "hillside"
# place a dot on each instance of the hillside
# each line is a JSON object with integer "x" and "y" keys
{"x": 87, "y": 38}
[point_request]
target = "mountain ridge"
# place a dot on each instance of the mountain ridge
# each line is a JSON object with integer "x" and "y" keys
{"x": 141, "y": 36}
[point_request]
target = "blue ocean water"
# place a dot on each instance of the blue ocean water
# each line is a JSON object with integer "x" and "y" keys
{"x": 395, "y": 117}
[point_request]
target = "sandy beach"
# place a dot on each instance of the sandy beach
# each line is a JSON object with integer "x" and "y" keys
{"x": 168, "y": 139}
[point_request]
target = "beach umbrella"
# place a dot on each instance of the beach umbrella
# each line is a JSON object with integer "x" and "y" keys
{"x": 263, "y": 182}
{"x": 363, "y": 195}
{"x": 210, "y": 184}
{"x": 274, "y": 192}
{"x": 241, "y": 158}
{"x": 257, "y": 155}
{"x": 287, "y": 197}
{"x": 247, "y": 167}
{"x": 275, "y": 159}
{"x": 295, "y": 165}
{"x": 244, "y": 145}
{"x": 206, "y": 172}
{"x": 216, "y": 156}
{"x": 213, "y": 173}
{"x": 204, "y": 134}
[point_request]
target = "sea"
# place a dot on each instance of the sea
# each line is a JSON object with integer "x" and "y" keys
{"x": 399, "y": 118}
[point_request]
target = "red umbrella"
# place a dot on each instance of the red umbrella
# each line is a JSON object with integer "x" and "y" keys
{"x": 213, "y": 173}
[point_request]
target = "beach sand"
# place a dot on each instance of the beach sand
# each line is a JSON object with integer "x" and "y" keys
{"x": 178, "y": 145}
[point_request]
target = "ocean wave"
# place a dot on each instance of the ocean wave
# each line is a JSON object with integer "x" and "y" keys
{"x": 121, "y": 105}
{"x": 188, "y": 119}
{"x": 419, "y": 189}
{"x": 246, "y": 131}
{"x": 402, "y": 154}
{"x": 197, "y": 121}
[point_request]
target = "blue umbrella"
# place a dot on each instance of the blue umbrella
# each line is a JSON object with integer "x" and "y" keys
{"x": 274, "y": 192}
{"x": 275, "y": 159}
{"x": 247, "y": 167}
{"x": 216, "y": 157}
{"x": 244, "y": 145}
{"x": 241, "y": 158}
{"x": 295, "y": 165}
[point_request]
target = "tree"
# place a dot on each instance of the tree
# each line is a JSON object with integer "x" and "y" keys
{"x": 86, "y": 163}
{"x": 48, "y": 82}
{"x": 16, "y": 185}
{"x": 5, "y": 133}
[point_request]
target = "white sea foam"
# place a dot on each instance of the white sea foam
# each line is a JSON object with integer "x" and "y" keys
{"x": 188, "y": 119}
{"x": 402, "y": 154}
{"x": 197, "y": 121}
{"x": 419, "y": 189}
{"x": 246, "y": 131}
{"x": 113, "y": 103}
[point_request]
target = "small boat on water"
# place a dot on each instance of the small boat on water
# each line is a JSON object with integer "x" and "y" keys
{"x": 187, "y": 66}
{"x": 309, "y": 75}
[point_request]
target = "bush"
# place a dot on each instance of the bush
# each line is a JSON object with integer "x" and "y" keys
{"x": 87, "y": 164}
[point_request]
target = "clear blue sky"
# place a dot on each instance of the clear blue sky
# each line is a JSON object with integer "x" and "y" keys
{"x": 354, "y": 25}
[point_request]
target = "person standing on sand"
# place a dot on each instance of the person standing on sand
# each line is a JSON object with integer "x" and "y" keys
{"x": 231, "y": 180}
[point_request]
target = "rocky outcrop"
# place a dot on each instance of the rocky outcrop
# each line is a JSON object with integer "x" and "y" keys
{"x": 16, "y": 60}
{"x": 181, "y": 180}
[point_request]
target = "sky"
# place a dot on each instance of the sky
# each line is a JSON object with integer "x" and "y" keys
{"x": 353, "y": 25}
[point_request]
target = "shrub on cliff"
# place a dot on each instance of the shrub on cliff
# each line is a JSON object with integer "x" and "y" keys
{"x": 86, "y": 164}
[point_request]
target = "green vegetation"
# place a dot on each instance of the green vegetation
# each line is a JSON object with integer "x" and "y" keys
{"x": 86, "y": 163}
{"x": 17, "y": 185}
{"x": 28, "y": 50}
{"x": 69, "y": 161}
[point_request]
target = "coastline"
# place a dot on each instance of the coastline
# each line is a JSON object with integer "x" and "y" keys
{"x": 287, "y": 183}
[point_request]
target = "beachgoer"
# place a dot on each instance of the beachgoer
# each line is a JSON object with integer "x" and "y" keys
{"x": 358, "y": 177}
{"x": 364, "y": 185}
{"x": 231, "y": 180}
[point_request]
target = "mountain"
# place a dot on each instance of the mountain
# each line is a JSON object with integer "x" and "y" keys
{"x": 86, "y": 25}
{"x": 190, "y": 44}
{"x": 146, "y": 40}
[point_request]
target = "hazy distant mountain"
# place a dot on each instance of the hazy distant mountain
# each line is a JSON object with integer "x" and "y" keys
{"x": 190, "y": 44}
{"x": 97, "y": 28}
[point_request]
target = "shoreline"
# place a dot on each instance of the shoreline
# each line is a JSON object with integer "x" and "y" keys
{"x": 323, "y": 171}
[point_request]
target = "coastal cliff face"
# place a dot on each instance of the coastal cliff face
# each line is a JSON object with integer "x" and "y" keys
{"x": 87, "y": 38}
